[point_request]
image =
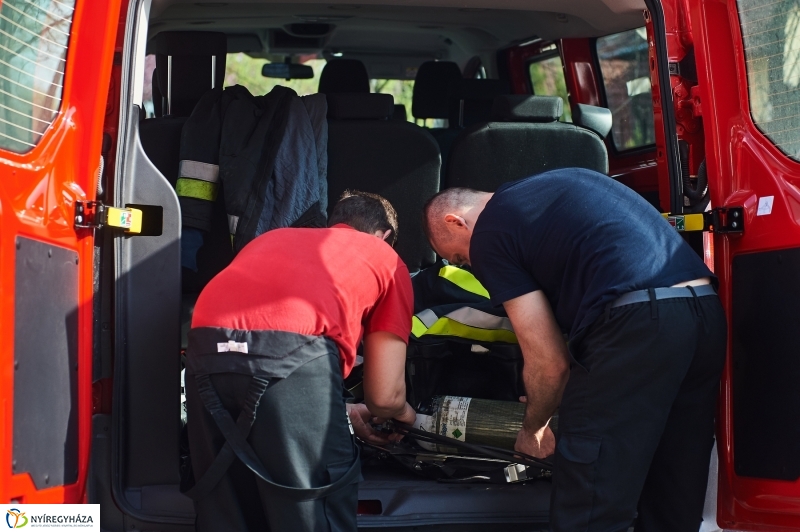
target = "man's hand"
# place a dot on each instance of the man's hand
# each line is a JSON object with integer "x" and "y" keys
{"x": 360, "y": 418}
{"x": 539, "y": 444}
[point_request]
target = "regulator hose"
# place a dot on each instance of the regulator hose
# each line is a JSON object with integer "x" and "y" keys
{"x": 485, "y": 450}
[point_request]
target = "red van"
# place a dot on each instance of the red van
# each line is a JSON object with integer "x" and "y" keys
{"x": 705, "y": 109}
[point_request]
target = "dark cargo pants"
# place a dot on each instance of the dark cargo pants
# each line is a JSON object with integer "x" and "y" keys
{"x": 302, "y": 438}
{"x": 636, "y": 422}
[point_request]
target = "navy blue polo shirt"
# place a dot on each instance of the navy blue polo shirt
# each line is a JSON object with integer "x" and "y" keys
{"x": 582, "y": 238}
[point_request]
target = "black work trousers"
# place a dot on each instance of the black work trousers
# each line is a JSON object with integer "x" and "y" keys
{"x": 636, "y": 422}
{"x": 301, "y": 437}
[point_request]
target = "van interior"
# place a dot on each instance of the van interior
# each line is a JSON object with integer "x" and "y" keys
{"x": 422, "y": 95}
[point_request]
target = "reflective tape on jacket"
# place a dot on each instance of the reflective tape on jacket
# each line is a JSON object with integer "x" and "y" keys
{"x": 467, "y": 323}
{"x": 196, "y": 188}
{"x": 197, "y": 170}
{"x": 463, "y": 279}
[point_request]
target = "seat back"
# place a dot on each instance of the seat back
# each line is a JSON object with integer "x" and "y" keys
{"x": 192, "y": 58}
{"x": 399, "y": 160}
{"x": 523, "y": 138}
{"x": 344, "y": 76}
{"x": 470, "y": 101}
{"x": 188, "y": 64}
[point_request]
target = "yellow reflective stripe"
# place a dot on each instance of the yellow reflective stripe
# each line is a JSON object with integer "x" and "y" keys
{"x": 447, "y": 327}
{"x": 194, "y": 188}
{"x": 417, "y": 327}
{"x": 464, "y": 280}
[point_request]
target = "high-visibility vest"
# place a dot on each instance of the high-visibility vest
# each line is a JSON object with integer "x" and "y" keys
{"x": 450, "y": 303}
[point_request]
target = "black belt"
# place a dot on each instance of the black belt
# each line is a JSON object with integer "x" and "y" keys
{"x": 641, "y": 296}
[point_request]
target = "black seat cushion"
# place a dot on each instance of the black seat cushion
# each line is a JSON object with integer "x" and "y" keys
{"x": 432, "y": 87}
{"x": 487, "y": 155}
{"x": 344, "y": 75}
{"x": 398, "y": 160}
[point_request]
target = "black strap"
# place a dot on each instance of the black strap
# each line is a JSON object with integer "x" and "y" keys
{"x": 238, "y": 443}
{"x": 653, "y": 305}
{"x": 226, "y": 456}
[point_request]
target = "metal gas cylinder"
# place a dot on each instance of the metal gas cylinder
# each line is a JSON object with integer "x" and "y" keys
{"x": 477, "y": 421}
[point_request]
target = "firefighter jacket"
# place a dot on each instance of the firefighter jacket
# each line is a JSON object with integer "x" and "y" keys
{"x": 451, "y": 304}
{"x": 269, "y": 153}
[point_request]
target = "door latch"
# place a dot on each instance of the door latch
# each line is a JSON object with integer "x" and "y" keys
{"x": 722, "y": 220}
{"x": 94, "y": 215}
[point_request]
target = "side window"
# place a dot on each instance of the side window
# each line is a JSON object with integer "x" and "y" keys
{"x": 771, "y": 34}
{"x": 547, "y": 78}
{"x": 626, "y": 79}
{"x": 34, "y": 35}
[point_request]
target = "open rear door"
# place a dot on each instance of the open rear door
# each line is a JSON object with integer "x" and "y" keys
{"x": 55, "y": 64}
{"x": 748, "y": 65}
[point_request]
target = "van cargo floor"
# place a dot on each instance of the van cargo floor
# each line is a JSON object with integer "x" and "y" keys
{"x": 394, "y": 498}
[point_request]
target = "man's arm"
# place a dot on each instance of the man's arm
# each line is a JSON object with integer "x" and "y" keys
{"x": 545, "y": 372}
{"x": 385, "y": 377}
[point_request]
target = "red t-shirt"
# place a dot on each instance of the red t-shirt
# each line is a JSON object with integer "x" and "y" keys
{"x": 335, "y": 282}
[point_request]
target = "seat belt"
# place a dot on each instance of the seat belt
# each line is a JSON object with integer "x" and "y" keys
{"x": 236, "y": 445}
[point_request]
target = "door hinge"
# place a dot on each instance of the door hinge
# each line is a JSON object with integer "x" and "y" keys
{"x": 722, "y": 220}
{"x": 94, "y": 215}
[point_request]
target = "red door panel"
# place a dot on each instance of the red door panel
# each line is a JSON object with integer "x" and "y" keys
{"x": 50, "y": 141}
{"x": 759, "y": 488}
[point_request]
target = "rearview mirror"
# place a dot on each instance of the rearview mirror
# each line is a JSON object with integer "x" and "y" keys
{"x": 287, "y": 71}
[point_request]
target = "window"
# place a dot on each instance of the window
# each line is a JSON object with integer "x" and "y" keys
{"x": 547, "y": 79}
{"x": 626, "y": 78}
{"x": 33, "y": 52}
{"x": 771, "y": 34}
{"x": 241, "y": 69}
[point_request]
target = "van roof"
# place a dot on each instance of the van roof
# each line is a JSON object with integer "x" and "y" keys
{"x": 426, "y": 29}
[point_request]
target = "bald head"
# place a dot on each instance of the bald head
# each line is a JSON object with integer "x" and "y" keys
{"x": 448, "y": 219}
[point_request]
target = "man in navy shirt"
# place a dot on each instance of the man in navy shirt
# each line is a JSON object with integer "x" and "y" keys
{"x": 573, "y": 252}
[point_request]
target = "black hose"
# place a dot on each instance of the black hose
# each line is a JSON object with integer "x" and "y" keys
{"x": 485, "y": 450}
{"x": 696, "y": 193}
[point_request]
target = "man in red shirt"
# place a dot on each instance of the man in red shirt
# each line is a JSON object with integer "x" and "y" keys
{"x": 272, "y": 337}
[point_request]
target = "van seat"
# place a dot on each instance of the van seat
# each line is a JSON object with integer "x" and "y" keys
{"x": 399, "y": 160}
{"x": 523, "y": 138}
{"x": 195, "y": 55}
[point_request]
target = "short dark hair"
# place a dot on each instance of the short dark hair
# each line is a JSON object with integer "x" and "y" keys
{"x": 449, "y": 200}
{"x": 365, "y": 212}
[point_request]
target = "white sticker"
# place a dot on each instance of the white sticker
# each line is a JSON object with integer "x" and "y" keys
{"x": 53, "y": 516}
{"x": 225, "y": 347}
{"x": 765, "y": 205}
{"x": 425, "y": 423}
{"x": 453, "y": 415}
{"x": 349, "y": 424}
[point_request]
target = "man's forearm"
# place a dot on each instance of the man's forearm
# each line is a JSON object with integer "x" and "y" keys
{"x": 544, "y": 390}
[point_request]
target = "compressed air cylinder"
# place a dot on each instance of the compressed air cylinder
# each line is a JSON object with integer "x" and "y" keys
{"x": 478, "y": 421}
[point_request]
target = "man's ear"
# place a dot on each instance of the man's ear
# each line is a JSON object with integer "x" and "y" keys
{"x": 454, "y": 222}
{"x": 386, "y": 235}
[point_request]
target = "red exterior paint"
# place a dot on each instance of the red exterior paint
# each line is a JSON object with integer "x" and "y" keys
{"x": 742, "y": 165}
{"x": 37, "y": 195}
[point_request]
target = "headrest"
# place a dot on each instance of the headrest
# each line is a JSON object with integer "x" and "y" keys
{"x": 400, "y": 112}
{"x": 524, "y": 108}
{"x": 355, "y": 106}
{"x": 344, "y": 75}
{"x": 431, "y": 87}
{"x": 597, "y": 119}
{"x": 192, "y": 65}
{"x": 477, "y": 96}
